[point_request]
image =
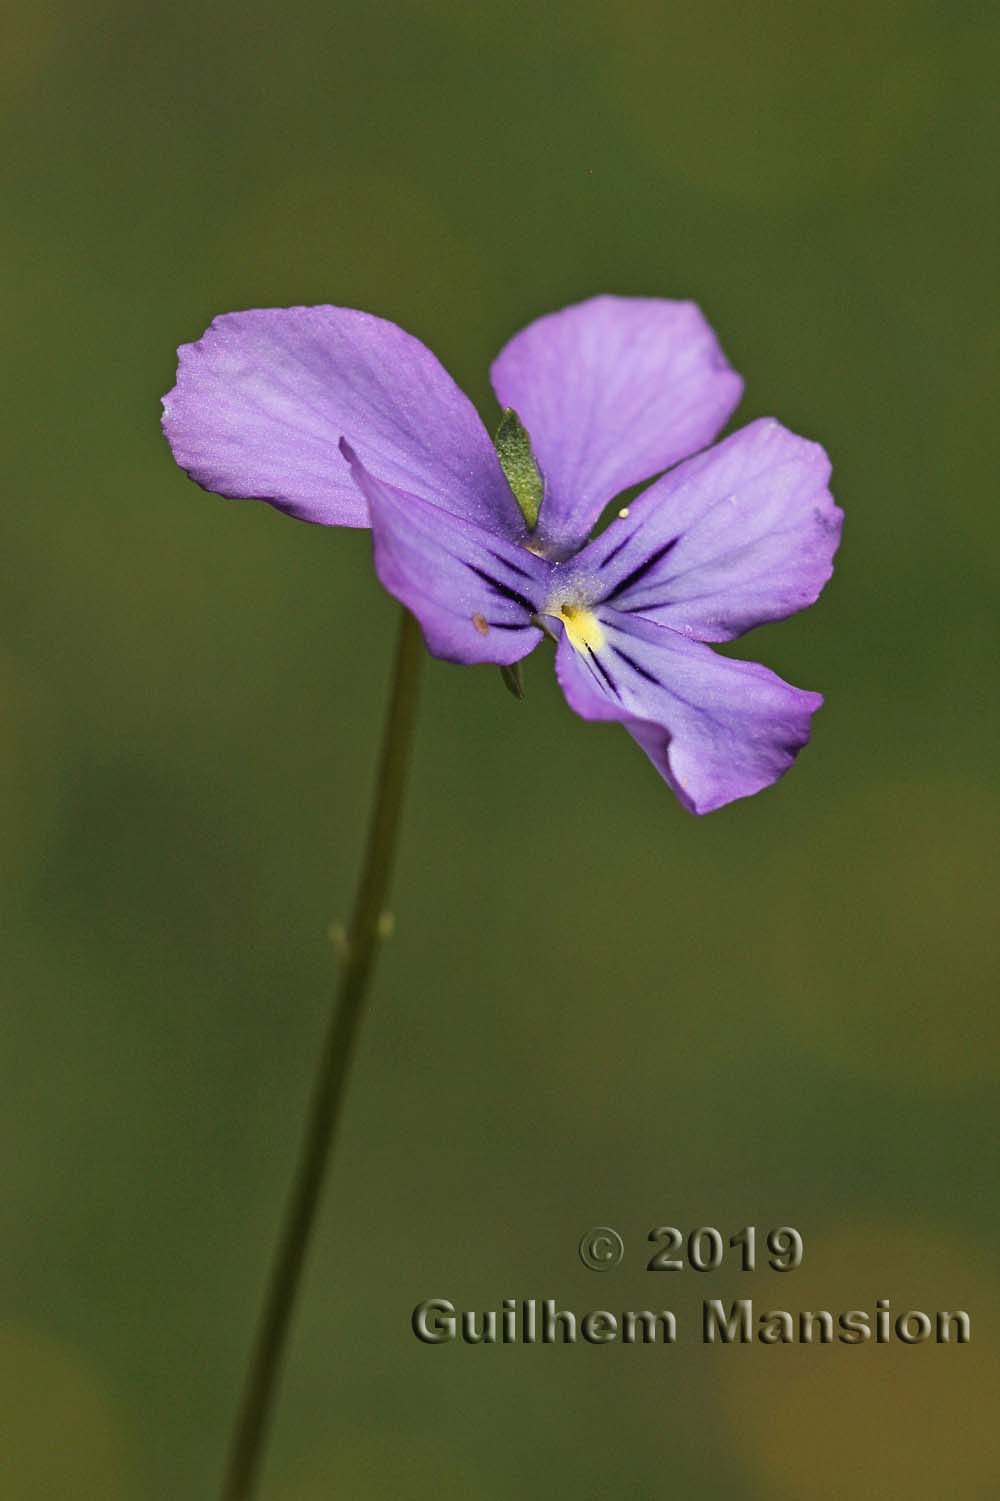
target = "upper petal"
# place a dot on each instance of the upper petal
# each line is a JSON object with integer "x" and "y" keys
{"x": 612, "y": 391}
{"x": 474, "y": 592}
{"x": 264, "y": 397}
{"x": 734, "y": 537}
{"x": 715, "y": 729}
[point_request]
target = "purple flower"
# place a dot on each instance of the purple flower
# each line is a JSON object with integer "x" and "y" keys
{"x": 342, "y": 418}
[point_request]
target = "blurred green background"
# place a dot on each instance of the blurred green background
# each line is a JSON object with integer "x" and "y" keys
{"x": 595, "y": 1009}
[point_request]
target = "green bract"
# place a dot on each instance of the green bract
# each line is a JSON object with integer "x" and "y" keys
{"x": 513, "y": 447}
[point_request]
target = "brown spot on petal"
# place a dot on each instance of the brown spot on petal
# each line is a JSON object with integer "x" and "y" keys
{"x": 481, "y": 624}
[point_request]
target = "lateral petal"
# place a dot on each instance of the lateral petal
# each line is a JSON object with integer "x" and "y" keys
{"x": 474, "y": 593}
{"x": 739, "y": 535}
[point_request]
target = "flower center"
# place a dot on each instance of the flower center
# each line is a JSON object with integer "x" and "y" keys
{"x": 582, "y": 626}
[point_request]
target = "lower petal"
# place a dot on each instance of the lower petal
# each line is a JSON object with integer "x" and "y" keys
{"x": 716, "y": 729}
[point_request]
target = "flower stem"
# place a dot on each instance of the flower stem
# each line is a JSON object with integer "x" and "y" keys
{"x": 360, "y": 949}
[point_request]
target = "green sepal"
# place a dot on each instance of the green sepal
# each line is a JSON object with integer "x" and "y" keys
{"x": 513, "y": 679}
{"x": 513, "y": 447}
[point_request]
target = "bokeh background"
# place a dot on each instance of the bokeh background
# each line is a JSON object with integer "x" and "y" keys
{"x": 595, "y": 1009}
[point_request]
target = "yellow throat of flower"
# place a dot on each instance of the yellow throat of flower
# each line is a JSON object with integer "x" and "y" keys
{"x": 582, "y": 626}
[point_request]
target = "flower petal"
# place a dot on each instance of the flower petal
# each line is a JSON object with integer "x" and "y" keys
{"x": 737, "y": 536}
{"x": 473, "y": 592}
{"x": 612, "y": 391}
{"x": 715, "y": 729}
{"x": 264, "y": 397}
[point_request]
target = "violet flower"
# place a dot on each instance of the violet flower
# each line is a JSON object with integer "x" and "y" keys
{"x": 342, "y": 418}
